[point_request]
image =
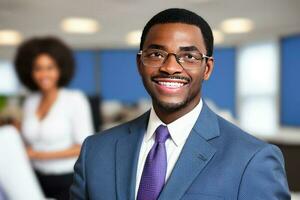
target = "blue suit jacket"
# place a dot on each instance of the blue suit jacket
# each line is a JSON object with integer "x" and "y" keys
{"x": 218, "y": 162}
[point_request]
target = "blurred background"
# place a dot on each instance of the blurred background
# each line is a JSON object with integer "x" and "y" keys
{"x": 255, "y": 83}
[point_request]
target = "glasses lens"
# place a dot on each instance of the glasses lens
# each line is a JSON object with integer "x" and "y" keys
{"x": 154, "y": 57}
{"x": 157, "y": 57}
{"x": 190, "y": 59}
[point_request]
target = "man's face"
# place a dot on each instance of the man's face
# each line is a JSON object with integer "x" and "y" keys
{"x": 171, "y": 86}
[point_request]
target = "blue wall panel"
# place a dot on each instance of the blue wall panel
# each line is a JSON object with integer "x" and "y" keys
{"x": 220, "y": 88}
{"x": 119, "y": 76}
{"x": 84, "y": 78}
{"x": 290, "y": 81}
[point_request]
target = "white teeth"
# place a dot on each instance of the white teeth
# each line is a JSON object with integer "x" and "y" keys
{"x": 171, "y": 84}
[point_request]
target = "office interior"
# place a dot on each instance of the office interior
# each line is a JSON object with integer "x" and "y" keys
{"x": 255, "y": 82}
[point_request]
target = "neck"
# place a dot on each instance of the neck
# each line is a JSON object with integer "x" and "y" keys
{"x": 50, "y": 94}
{"x": 169, "y": 116}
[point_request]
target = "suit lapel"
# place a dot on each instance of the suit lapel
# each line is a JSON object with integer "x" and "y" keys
{"x": 127, "y": 152}
{"x": 195, "y": 155}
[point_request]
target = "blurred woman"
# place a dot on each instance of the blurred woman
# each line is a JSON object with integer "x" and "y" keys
{"x": 56, "y": 120}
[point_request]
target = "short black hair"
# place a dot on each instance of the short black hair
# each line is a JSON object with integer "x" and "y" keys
{"x": 179, "y": 15}
{"x": 29, "y": 50}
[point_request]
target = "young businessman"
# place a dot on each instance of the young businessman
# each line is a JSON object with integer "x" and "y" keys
{"x": 180, "y": 149}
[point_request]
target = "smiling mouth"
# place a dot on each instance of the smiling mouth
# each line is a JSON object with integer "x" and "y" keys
{"x": 171, "y": 83}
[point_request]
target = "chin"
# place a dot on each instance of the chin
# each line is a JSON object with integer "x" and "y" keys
{"x": 171, "y": 107}
{"x": 45, "y": 89}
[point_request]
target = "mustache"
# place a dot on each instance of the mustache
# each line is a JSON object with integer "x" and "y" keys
{"x": 170, "y": 77}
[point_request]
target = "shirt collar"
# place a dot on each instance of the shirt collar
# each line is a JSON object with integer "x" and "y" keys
{"x": 179, "y": 129}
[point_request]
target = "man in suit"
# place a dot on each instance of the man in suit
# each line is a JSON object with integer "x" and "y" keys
{"x": 180, "y": 149}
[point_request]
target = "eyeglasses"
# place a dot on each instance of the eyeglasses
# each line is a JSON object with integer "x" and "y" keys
{"x": 186, "y": 59}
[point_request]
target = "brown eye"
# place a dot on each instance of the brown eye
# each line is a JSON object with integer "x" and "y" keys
{"x": 189, "y": 56}
{"x": 154, "y": 54}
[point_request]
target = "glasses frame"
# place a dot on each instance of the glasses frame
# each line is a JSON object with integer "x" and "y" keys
{"x": 176, "y": 57}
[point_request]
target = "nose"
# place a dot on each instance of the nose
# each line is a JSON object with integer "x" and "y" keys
{"x": 171, "y": 65}
{"x": 43, "y": 73}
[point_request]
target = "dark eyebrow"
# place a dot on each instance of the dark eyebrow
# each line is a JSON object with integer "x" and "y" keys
{"x": 189, "y": 48}
{"x": 161, "y": 47}
{"x": 156, "y": 46}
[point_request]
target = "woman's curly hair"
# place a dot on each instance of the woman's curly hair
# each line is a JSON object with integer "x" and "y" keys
{"x": 51, "y": 46}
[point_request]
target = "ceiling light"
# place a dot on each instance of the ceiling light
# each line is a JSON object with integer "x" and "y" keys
{"x": 10, "y": 37}
{"x": 133, "y": 38}
{"x": 218, "y": 36}
{"x": 80, "y": 25}
{"x": 237, "y": 25}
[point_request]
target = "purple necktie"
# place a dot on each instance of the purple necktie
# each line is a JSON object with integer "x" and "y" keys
{"x": 155, "y": 168}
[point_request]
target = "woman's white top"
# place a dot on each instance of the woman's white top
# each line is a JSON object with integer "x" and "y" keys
{"x": 68, "y": 122}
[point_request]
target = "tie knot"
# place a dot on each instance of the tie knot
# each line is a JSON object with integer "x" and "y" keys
{"x": 162, "y": 134}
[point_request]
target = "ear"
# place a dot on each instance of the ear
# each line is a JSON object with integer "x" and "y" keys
{"x": 208, "y": 68}
{"x": 139, "y": 63}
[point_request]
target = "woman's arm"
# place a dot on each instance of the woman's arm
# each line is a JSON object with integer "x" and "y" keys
{"x": 43, "y": 155}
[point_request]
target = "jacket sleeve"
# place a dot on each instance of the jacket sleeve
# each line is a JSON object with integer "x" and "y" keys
{"x": 78, "y": 190}
{"x": 264, "y": 177}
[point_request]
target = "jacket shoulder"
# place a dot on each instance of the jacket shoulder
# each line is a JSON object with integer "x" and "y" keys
{"x": 112, "y": 135}
{"x": 235, "y": 137}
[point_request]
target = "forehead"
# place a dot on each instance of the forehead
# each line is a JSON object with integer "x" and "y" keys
{"x": 172, "y": 36}
{"x": 44, "y": 59}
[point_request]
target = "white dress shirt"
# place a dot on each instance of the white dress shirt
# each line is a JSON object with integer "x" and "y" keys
{"x": 179, "y": 132}
{"x": 68, "y": 122}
